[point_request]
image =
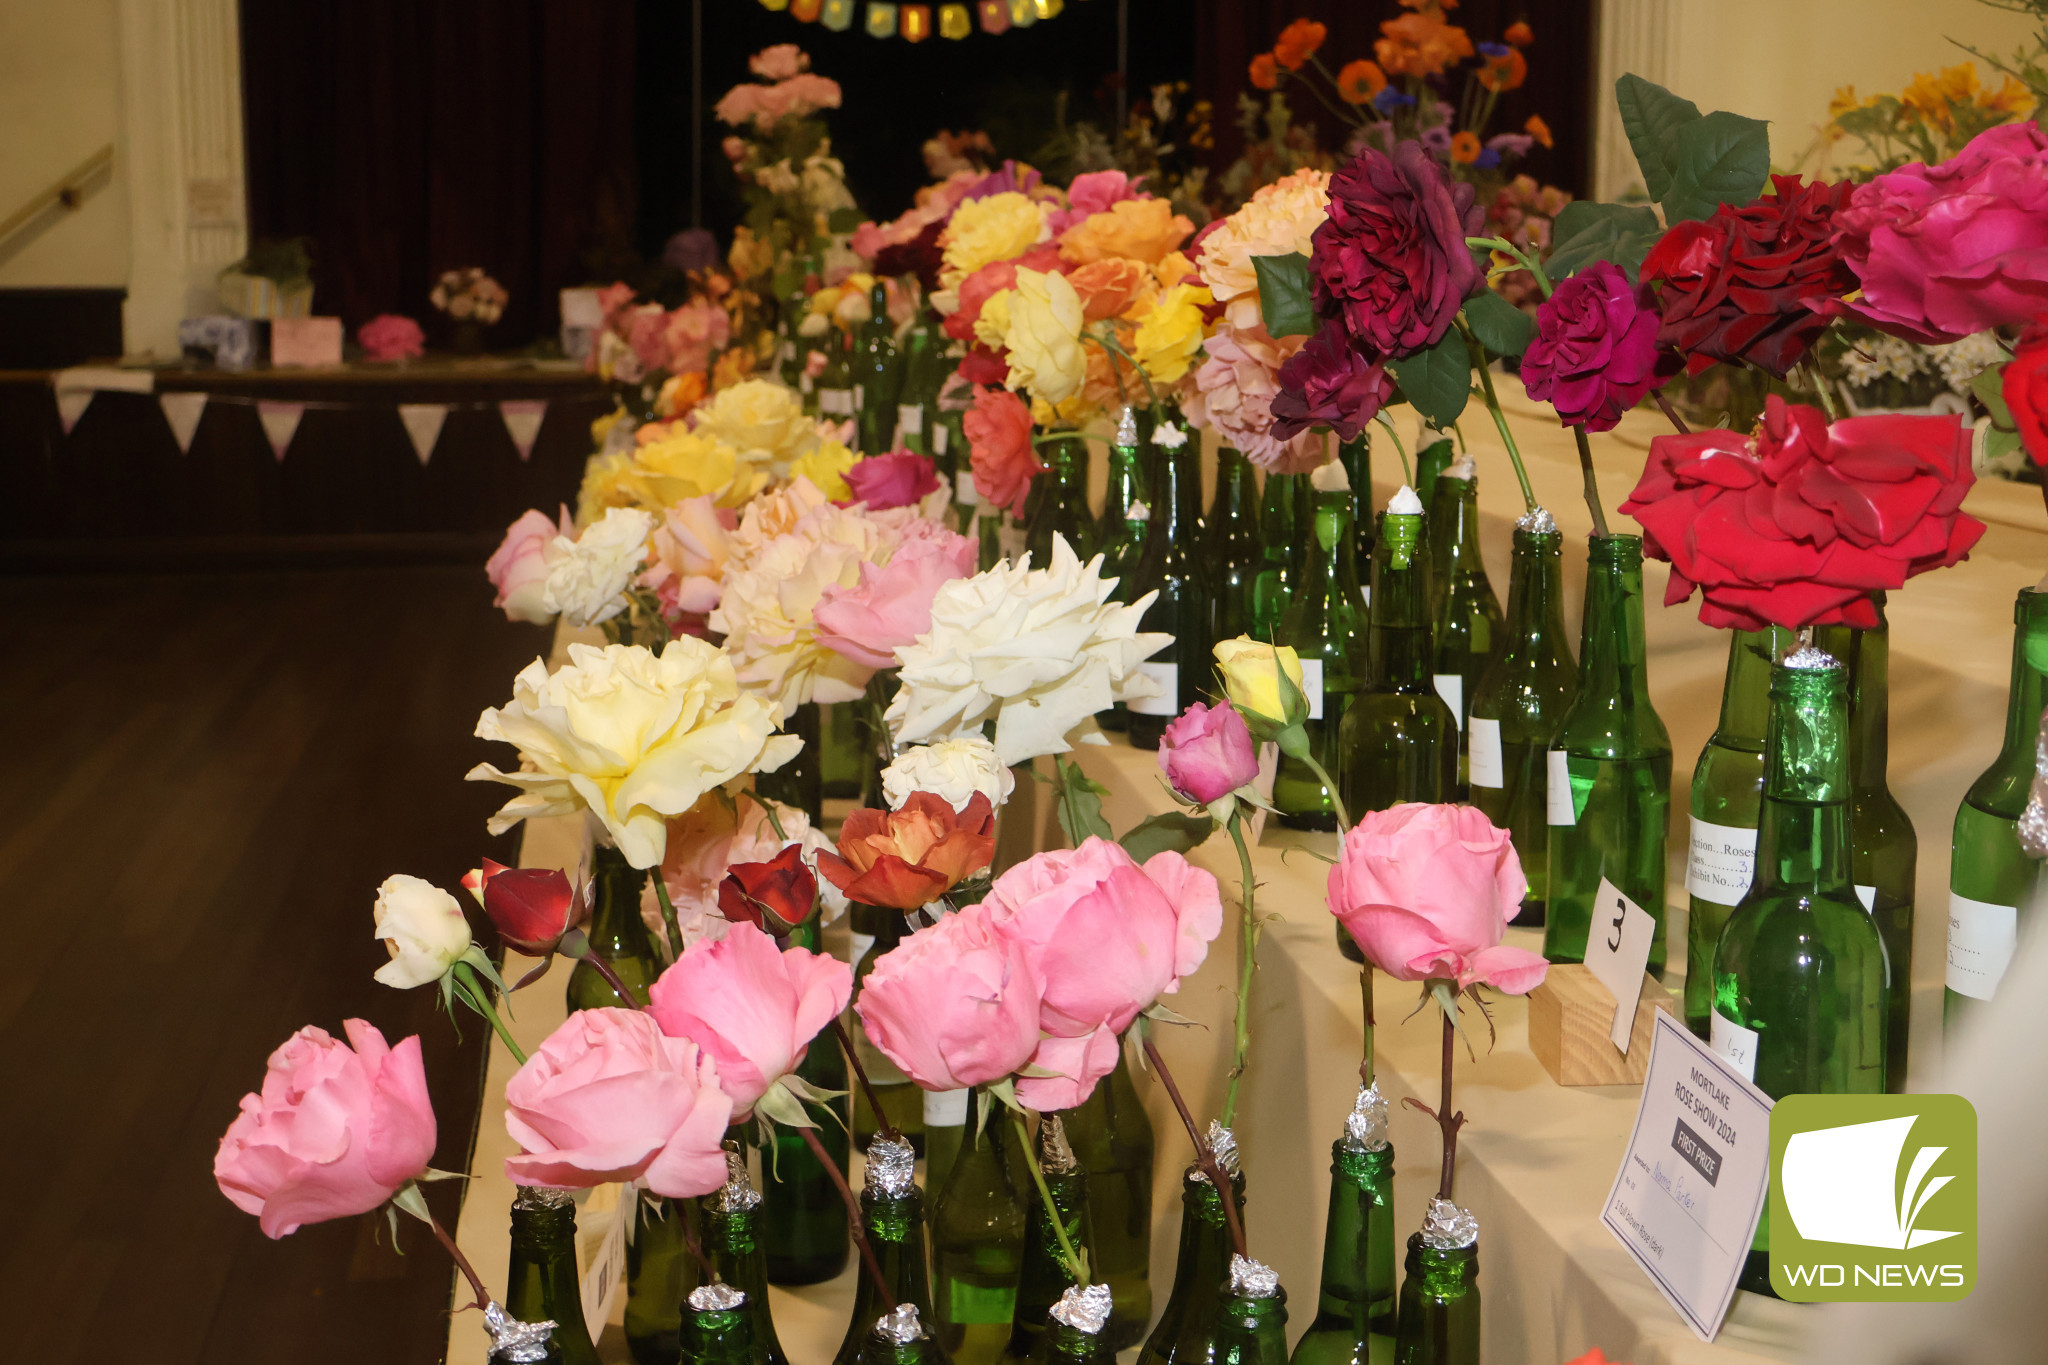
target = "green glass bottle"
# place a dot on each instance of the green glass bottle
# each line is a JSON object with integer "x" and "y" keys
{"x": 1112, "y": 1139}
{"x": 877, "y": 373}
{"x": 1251, "y": 1322}
{"x": 1172, "y": 566}
{"x": 1439, "y": 1312}
{"x": 1356, "y": 457}
{"x": 1610, "y": 767}
{"x": 1121, "y": 531}
{"x": 977, "y": 1234}
{"x": 729, "y": 1225}
{"x": 1430, "y": 461}
{"x": 1884, "y": 853}
{"x": 1800, "y": 975}
{"x": 1354, "y": 1322}
{"x": 901, "y": 1338}
{"x": 945, "y": 1133}
{"x": 617, "y": 933}
{"x": 659, "y": 1272}
{"x": 1058, "y": 504}
{"x": 1076, "y": 1330}
{"x": 1275, "y": 575}
{"x": 540, "y": 1281}
{"x": 877, "y": 930}
{"x": 1186, "y": 1331}
{"x": 1326, "y": 627}
{"x": 1469, "y": 629}
{"x": 1990, "y": 877}
{"x": 1230, "y": 545}
{"x": 803, "y": 1219}
{"x": 925, "y": 368}
{"x": 800, "y": 782}
{"x": 718, "y": 1327}
{"x": 1043, "y": 1276}
{"x": 834, "y": 386}
{"x": 1727, "y": 792}
{"x": 1519, "y": 702}
{"x": 892, "y": 1212}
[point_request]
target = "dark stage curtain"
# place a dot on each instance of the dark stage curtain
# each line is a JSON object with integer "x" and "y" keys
{"x": 409, "y": 137}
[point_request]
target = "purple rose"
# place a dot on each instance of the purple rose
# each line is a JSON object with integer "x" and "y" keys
{"x": 1328, "y": 383}
{"x": 1207, "y": 753}
{"x": 1944, "y": 251}
{"x": 1595, "y": 353}
{"x": 1391, "y": 259}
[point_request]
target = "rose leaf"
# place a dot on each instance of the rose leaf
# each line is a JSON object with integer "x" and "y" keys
{"x": 1501, "y": 327}
{"x": 1437, "y": 382}
{"x": 1585, "y": 232}
{"x": 1653, "y": 117}
{"x": 1284, "y": 300}
{"x": 1174, "y": 831}
{"x": 1723, "y": 159}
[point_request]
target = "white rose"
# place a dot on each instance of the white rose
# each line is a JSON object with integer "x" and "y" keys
{"x": 423, "y": 927}
{"x": 588, "y": 576}
{"x": 951, "y": 768}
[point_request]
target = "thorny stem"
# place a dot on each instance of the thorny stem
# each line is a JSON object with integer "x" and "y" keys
{"x": 1068, "y": 1256}
{"x": 1592, "y": 487}
{"x": 1247, "y": 963}
{"x": 1204, "y": 1157}
{"x": 1500, "y": 420}
{"x": 1446, "y": 1121}
{"x": 859, "y": 1228}
{"x": 867, "y": 1087}
{"x": 1671, "y": 412}
{"x": 476, "y": 1284}
{"x": 481, "y": 996}
{"x": 668, "y": 917}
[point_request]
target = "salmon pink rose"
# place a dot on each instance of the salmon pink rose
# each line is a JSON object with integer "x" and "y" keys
{"x": 906, "y": 858}
{"x": 998, "y": 429}
{"x": 892, "y": 604}
{"x": 518, "y": 568}
{"x": 954, "y": 1004}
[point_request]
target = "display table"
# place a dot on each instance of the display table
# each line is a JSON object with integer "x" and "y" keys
{"x": 1536, "y": 1160}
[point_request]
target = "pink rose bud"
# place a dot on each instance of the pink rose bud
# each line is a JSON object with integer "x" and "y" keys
{"x": 953, "y": 1005}
{"x": 337, "y": 1130}
{"x": 1427, "y": 891}
{"x": 1207, "y": 753}
{"x": 610, "y": 1097}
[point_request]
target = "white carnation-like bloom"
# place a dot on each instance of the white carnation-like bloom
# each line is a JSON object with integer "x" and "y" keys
{"x": 424, "y": 928}
{"x": 1037, "y": 651}
{"x": 631, "y": 736}
{"x": 954, "y": 769}
{"x": 588, "y": 575}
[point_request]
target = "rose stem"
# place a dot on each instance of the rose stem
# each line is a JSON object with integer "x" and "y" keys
{"x": 668, "y": 916}
{"x": 1068, "y": 1255}
{"x": 1329, "y": 785}
{"x": 1365, "y": 1069}
{"x": 476, "y": 1284}
{"x": 604, "y": 969}
{"x": 860, "y": 1234}
{"x": 867, "y": 1087}
{"x": 1204, "y": 1158}
{"x": 1399, "y": 449}
{"x": 1671, "y": 412}
{"x": 1446, "y": 1120}
{"x": 1247, "y": 963}
{"x": 1592, "y": 488}
{"x": 1500, "y": 420}
{"x": 474, "y": 989}
{"x": 696, "y": 1247}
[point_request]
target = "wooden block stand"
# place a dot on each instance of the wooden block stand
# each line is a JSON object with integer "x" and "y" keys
{"x": 1570, "y": 1016}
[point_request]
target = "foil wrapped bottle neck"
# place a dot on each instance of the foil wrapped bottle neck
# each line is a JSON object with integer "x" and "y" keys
{"x": 1809, "y": 657}
{"x": 738, "y": 1194}
{"x": 716, "y": 1297}
{"x": 541, "y": 1198}
{"x": 1222, "y": 1143}
{"x": 1448, "y": 1227}
{"x": 1085, "y": 1308}
{"x": 1055, "y": 1153}
{"x": 1537, "y": 521}
{"x": 891, "y": 1168}
{"x": 520, "y": 1343}
{"x": 900, "y": 1325}
{"x": 1127, "y": 426}
{"x": 1365, "y": 1127}
{"x": 1464, "y": 469}
{"x": 1251, "y": 1279}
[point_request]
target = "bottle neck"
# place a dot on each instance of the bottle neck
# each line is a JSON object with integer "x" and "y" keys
{"x": 1443, "y": 1272}
{"x": 615, "y": 923}
{"x": 718, "y": 1336}
{"x": 1536, "y": 594}
{"x": 1232, "y": 516}
{"x": 1611, "y": 649}
{"x": 1126, "y": 484}
{"x": 1432, "y": 460}
{"x": 1067, "y": 461}
{"x": 1332, "y": 558}
{"x": 1398, "y": 610}
{"x": 1455, "y": 524}
{"x": 1276, "y": 516}
{"x": 1867, "y": 656}
{"x": 1803, "y": 824}
{"x": 2024, "y": 697}
{"x": 1176, "y": 515}
{"x": 1746, "y": 687}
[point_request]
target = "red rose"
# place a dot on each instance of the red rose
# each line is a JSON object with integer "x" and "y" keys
{"x": 2026, "y": 391}
{"x": 1744, "y": 285}
{"x": 531, "y": 907}
{"x": 913, "y": 855}
{"x": 1391, "y": 259}
{"x": 1800, "y": 523}
{"x": 776, "y": 895}
{"x": 1328, "y": 383}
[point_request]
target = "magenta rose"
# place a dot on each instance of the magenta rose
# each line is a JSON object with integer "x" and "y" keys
{"x": 954, "y": 1004}
{"x": 1944, "y": 251}
{"x": 1207, "y": 753}
{"x": 1426, "y": 891}
{"x": 1595, "y": 353}
{"x": 897, "y": 479}
{"x": 391, "y": 336}
{"x": 1328, "y": 383}
{"x": 1391, "y": 259}
{"x": 609, "y": 1097}
{"x": 518, "y": 568}
{"x": 337, "y": 1130}
{"x": 892, "y": 604}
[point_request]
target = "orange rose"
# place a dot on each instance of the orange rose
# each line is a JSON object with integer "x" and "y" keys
{"x": 1518, "y": 35}
{"x": 1420, "y": 45}
{"x": 1361, "y": 81}
{"x": 1504, "y": 73}
{"x": 906, "y": 858}
{"x": 1298, "y": 42}
{"x": 1109, "y": 286}
{"x": 1465, "y": 147}
{"x": 1138, "y": 229}
{"x": 1539, "y": 130}
{"x": 1265, "y": 71}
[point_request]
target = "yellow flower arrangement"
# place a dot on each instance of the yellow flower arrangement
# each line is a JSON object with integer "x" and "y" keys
{"x": 1044, "y": 337}
{"x": 1170, "y": 337}
{"x": 999, "y": 227}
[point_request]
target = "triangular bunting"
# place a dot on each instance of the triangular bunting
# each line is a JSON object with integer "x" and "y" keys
{"x": 523, "y": 417}
{"x": 71, "y": 405}
{"x": 280, "y": 423}
{"x": 423, "y": 424}
{"x": 76, "y": 386}
{"x": 183, "y": 411}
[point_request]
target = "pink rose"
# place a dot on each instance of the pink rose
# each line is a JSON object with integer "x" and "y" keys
{"x": 953, "y": 1005}
{"x": 610, "y": 1097}
{"x": 338, "y": 1129}
{"x": 704, "y": 843}
{"x": 687, "y": 560}
{"x": 1092, "y": 193}
{"x": 518, "y": 568}
{"x": 779, "y": 62}
{"x": 646, "y": 331}
{"x": 753, "y": 1008}
{"x": 691, "y": 333}
{"x": 1944, "y": 251}
{"x": 390, "y": 336}
{"x": 896, "y": 479}
{"x": 1075, "y": 1064}
{"x": 740, "y": 104}
{"x": 1427, "y": 891}
{"x": 892, "y": 605}
{"x": 1233, "y": 393}
{"x": 1207, "y": 753}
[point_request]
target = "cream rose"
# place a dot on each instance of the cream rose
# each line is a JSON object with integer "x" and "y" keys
{"x": 424, "y": 928}
{"x": 1044, "y": 337}
{"x": 1280, "y": 218}
{"x": 763, "y": 422}
{"x": 954, "y": 769}
{"x": 588, "y": 576}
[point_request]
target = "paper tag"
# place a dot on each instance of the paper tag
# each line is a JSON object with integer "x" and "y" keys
{"x": 606, "y": 1270}
{"x": 964, "y": 491}
{"x": 1722, "y": 864}
{"x": 804, "y": 384}
{"x": 1451, "y": 687}
{"x": 1692, "y": 1183}
{"x": 1167, "y": 703}
{"x": 1733, "y": 1044}
{"x": 1981, "y": 937}
{"x": 1312, "y": 686}
{"x": 1617, "y": 952}
{"x": 1487, "y": 769}
{"x": 1558, "y": 789}
{"x": 945, "y": 1108}
{"x": 909, "y": 419}
{"x": 860, "y": 398}
{"x": 862, "y": 945}
{"x": 1269, "y": 768}
{"x": 836, "y": 402}
{"x": 1868, "y": 895}
{"x": 941, "y": 434}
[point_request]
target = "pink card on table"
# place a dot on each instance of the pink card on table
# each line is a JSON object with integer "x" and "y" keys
{"x": 305, "y": 341}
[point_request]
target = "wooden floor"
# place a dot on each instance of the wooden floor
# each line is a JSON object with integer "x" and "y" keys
{"x": 207, "y": 777}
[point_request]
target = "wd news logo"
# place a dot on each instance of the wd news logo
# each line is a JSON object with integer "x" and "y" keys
{"x": 1873, "y": 1198}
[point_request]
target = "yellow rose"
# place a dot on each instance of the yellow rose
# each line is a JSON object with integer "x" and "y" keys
{"x": 688, "y": 464}
{"x": 1170, "y": 337}
{"x": 750, "y": 255}
{"x": 607, "y": 482}
{"x": 1137, "y": 229}
{"x": 1000, "y": 227}
{"x": 1044, "y": 337}
{"x": 826, "y": 466}
{"x": 993, "y": 320}
{"x": 601, "y": 427}
{"x": 762, "y": 421}
{"x": 1252, "y": 671}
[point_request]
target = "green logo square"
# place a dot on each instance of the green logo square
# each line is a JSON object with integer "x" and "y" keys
{"x": 1873, "y": 1198}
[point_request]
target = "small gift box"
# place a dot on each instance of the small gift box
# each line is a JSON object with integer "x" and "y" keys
{"x": 218, "y": 341}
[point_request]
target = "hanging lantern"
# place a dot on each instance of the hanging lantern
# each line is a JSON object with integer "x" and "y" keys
{"x": 955, "y": 22}
{"x": 917, "y": 23}
{"x": 837, "y": 15}
{"x": 881, "y": 20}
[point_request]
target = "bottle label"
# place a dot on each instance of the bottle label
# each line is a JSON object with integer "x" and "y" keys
{"x": 1451, "y": 687}
{"x": 972, "y": 1304}
{"x": 1723, "y": 862}
{"x": 1981, "y": 937}
{"x": 1868, "y": 895}
{"x": 1487, "y": 768}
{"x": 836, "y": 402}
{"x": 804, "y": 384}
{"x": 863, "y": 944}
{"x": 1312, "y": 686}
{"x": 1558, "y": 789}
{"x": 1733, "y": 1044}
{"x": 1167, "y": 703}
{"x": 605, "y": 1269}
{"x": 860, "y": 398}
{"x": 909, "y": 420}
{"x": 945, "y": 1108}
{"x": 941, "y": 434}
{"x": 964, "y": 491}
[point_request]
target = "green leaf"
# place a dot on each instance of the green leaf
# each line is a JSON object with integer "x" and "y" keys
{"x": 408, "y": 1199}
{"x": 1171, "y": 830}
{"x": 1723, "y": 159}
{"x": 1989, "y": 386}
{"x": 1586, "y": 232}
{"x": 1653, "y": 118}
{"x": 1437, "y": 382}
{"x": 1079, "y": 802}
{"x": 1501, "y": 327}
{"x": 1284, "y": 300}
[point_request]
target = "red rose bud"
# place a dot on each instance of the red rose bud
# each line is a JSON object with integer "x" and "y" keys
{"x": 531, "y": 907}
{"x": 776, "y": 895}
{"x": 2025, "y": 390}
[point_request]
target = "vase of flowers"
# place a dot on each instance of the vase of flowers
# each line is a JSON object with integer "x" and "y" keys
{"x": 472, "y": 301}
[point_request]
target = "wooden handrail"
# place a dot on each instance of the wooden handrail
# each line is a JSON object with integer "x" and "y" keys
{"x": 68, "y": 192}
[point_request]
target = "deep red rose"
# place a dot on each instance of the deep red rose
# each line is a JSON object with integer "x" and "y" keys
{"x": 1800, "y": 523}
{"x": 1595, "y": 354}
{"x": 776, "y": 895}
{"x": 908, "y": 857}
{"x": 531, "y": 907}
{"x": 2026, "y": 391}
{"x": 1757, "y": 283}
{"x": 921, "y": 256}
{"x": 1328, "y": 383}
{"x": 985, "y": 367}
{"x": 1391, "y": 259}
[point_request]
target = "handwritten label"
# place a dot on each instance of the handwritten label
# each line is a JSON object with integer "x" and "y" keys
{"x": 1451, "y": 687}
{"x": 1723, "y": 862}
{"x": 1312, "y": 686}
{"x": 1167, "y": 703}
{"x": 1617, "y": 950}
{"x": 1558, "y": 789}
{"x": 1981, "y": 938}
{"x": 1733, "y": 1044}
{"x": 1487, "y": 770}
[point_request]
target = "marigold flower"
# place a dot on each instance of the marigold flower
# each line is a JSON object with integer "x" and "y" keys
{"x": 1518, "y": 35}
{"x": 1420, "y": 45}
{"x": 1265, "y": 71}
{"x": 1539, "y": 130}
{"x": 1465, "y": 147}
{"x": 1298, "y": 42}
{"x": 1360, "y": 81}
{"x": 1505, "y": 72}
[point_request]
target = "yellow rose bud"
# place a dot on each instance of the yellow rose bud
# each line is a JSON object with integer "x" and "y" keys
{"x": 1252, "y": 677}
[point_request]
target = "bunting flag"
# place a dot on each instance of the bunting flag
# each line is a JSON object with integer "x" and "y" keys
{"x": 280, "y": 423}
{"x": 71, "y": 405}
{"x": 183, "y": 411}
{"x": 75, "y": 388}
{"x": 522, "y": 417}
{"x": 423, "y": 424}
{"x": 887, "y": 19}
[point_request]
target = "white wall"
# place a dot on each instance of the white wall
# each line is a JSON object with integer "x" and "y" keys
{"x": 60, "y": 101}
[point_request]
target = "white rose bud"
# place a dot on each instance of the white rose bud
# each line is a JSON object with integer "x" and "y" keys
{"x": 954, "y": 769}
{"x": 423, "y": 927}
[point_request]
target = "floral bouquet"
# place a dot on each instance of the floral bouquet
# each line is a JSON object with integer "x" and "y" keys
{"x": 797, "y": 204}
{"x": 469, "y": 295}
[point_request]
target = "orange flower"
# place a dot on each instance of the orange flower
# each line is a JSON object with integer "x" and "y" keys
{"x": 1109, "y": 286}
{"x": 1518, "y": 35}
{"x": 905, "y": 858}
{"x": 1360, "y": 81}
{"x": 1504, "y": 73}
{"x": 1265, "y": 71}
{"x": 1420, "y": 45}
{"x": 1298, "y": 42}
{"x": 1465, "y": 147}
{"x": 1539, "y": 130}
